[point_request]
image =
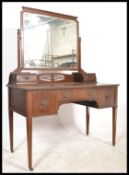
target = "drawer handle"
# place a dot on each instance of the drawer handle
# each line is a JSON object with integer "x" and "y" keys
{"x": 90, "y": 95}
{"x": 26, "y": 78}
{"x": 44, "y": 103}
{"x": 66, "y": 95}
{"x": 107, "y": 97}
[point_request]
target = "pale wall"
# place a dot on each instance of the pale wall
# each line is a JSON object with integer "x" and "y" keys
{"x": 103, "y": 33}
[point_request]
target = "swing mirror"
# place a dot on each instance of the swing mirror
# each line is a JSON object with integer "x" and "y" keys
{"x": 49, "y": 40}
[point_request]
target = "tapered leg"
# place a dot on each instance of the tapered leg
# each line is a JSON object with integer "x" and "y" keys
{"x": 114, "y": 118}
{"x": 87, "y": 120}
{"x": 11, "y": 129}
{"x": 29, "y": 141}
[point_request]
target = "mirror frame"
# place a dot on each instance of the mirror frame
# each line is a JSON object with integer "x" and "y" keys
{"x": 52, "y": 14}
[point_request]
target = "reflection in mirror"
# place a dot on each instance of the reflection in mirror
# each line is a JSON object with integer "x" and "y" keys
{"x": 49, "y": 42}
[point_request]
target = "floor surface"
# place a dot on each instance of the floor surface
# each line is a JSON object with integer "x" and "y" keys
{"x": 59, "y": 148}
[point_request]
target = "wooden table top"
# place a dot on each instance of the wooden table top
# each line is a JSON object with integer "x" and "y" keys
{"x": 63, "y": 85}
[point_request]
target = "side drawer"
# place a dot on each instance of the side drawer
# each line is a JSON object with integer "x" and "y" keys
{"x": 43, "y": 102}
{"x": 105, "y": 96}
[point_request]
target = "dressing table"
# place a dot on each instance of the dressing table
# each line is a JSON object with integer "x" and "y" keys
{"x": 49, "y": 72}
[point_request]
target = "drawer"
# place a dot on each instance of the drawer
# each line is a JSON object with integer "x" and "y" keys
{"x": 65, "y": 95}
{"x": 70, "y": 94}
{"x": 26, "y": 78}
{"x": 76, "y": 94}
{"x": 43, "y": 102}
{"x": 105, "y": 96}
{"x": 88, "y": 93}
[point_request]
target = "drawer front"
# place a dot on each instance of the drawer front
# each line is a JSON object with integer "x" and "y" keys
{"x": 65, "y": 95}
{"x": 105, "y": 96}
{"x": 43, "y": 102}
{"x": 26, "y": 78}
{"x": 76, "y": 94}
{"x": 85, "y": 94}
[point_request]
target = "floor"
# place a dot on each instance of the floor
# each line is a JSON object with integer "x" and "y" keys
{"x": 60, "y": 148}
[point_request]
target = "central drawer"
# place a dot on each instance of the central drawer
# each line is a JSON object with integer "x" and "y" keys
{"x": 74, "y": 94}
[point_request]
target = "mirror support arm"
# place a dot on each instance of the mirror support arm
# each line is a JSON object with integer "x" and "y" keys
{"x": 79, "y": 52}
{"x": 18, "y": 49}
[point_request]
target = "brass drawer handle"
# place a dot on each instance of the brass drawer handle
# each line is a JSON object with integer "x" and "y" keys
{"x": 107, "y": 97}
{"x": 66, "y": 95}
{"x": 44, "y": 103}
{"x": 90, "y": 95}
{"x": 26, "y": 77}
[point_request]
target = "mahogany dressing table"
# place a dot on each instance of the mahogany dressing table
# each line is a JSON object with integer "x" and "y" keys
{"x": 49, "y": 72}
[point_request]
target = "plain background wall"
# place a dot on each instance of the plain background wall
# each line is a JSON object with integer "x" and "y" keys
{"x": 103, "y": 50}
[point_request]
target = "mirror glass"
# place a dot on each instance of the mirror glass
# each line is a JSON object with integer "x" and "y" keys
{"x": 49, "y": 42}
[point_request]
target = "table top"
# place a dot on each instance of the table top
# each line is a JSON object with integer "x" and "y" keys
{"x": 66, "y": 85}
